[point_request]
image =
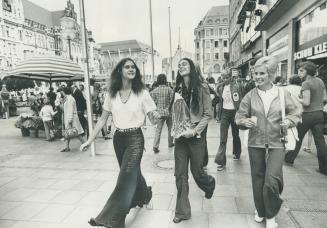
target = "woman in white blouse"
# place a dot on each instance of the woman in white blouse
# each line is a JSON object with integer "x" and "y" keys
{"x": 129, "y": 103}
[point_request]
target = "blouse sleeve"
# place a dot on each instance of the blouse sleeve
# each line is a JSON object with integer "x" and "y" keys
{"x": 107, "y": 103}
{"x": 148, "y": 104}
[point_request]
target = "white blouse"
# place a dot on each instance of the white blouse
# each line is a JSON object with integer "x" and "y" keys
{"x": 132, "y": 113}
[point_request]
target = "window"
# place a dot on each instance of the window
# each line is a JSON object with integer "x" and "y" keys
{"x": 313, "y": 25}
{"x": 210, "y": 21}
{"x": 7, "y": 31}
{"x": 197, "y": 45}
{"x": 225, "y": 20}
{"x": 198, "y": 57}
{"x": 207, "y": 44}
{"x": 20, "y": 35}
{"x": 207, "y": 32}
{"x": 216, "y": 32}
{"x": 225, "y": 43}
{"x": 217, "y": 55}
{"x": 211, "y": 32}
{"x": 220, "y": 32}
{"x": 208, "y": 56}
{"x": 216, "y": 44}
{"x": 217, "y": 21}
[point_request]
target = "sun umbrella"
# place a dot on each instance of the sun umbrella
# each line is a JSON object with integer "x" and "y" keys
{"x": 46, "y": 68}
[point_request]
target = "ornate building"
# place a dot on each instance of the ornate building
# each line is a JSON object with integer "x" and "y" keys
{"x": 212, "y": 41}
{"x": 112, "y": 52}
{"x": 27, "y": 30}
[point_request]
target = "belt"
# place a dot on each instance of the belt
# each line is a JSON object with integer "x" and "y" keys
{"x": 127, "y": 129}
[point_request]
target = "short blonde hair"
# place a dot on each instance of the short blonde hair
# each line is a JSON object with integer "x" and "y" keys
{"x": 271, "y": 65}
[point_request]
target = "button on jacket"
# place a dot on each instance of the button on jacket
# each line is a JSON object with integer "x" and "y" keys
{"x": 267, "y": 131}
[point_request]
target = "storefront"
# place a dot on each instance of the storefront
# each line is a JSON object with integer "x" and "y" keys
{"x": 311, "y": 33}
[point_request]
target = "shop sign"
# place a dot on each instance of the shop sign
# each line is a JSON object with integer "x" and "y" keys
{"x": 245, "y": 59}
{"x": 311, "y": 51}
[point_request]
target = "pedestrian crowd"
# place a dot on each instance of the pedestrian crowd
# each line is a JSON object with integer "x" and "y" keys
{"x": 275, "y": 119}
{"x": 274, "y": 115}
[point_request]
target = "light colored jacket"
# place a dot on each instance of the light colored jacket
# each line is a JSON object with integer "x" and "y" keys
{"x": 267, "y": 131}
{"x": 202, "y": 117}
{"x": 70, "y": 114}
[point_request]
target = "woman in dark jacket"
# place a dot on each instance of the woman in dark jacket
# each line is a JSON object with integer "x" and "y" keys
{"x": 260, "y": 111}
{"x": 193, "y": 106}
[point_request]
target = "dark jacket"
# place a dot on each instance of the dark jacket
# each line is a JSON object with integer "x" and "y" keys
{"x": 237, "y": 95}
{"x": 267, "y": 131}
{"x": 80, "y": 100}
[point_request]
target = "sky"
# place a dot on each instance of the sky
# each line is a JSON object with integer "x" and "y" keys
{"x": 115, "y": 20}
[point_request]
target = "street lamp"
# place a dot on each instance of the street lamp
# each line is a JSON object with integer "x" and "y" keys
{"x": 68, "y": 31}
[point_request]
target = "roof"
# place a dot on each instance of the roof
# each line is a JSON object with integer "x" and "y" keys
{"x": 123, "y": 45}
{"x": 214, "y": 13}
{"x": 36, "y": 13}
{"x": 218, "y": 11}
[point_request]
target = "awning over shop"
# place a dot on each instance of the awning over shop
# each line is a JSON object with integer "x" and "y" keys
{"x": 277, "y": 11}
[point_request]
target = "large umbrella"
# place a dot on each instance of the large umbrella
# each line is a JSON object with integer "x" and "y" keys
{"x": 46, "y": 68}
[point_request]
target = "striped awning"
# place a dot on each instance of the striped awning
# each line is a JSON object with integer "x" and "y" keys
{"x": 46, "y": 68}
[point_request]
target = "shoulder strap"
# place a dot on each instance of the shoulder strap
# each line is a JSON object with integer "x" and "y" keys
{"x": 282, "y": 101}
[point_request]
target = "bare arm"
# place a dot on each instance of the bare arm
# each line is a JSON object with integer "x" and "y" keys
{"x": 101, "y": 122}
{"x": 306, "y": 98}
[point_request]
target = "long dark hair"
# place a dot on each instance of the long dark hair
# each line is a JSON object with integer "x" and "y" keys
{"x": 195, "y": 84}
{"x": 116, "y": 82}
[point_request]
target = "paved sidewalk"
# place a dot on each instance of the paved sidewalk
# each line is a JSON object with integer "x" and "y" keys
{"x": 43, "y": 188}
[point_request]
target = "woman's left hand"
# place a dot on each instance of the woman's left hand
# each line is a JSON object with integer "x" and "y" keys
{"x": 189, "y": 133}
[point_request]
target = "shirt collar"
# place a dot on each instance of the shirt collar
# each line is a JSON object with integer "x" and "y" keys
{"x": 272, "y": 91}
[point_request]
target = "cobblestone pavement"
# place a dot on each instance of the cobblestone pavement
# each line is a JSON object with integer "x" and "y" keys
{"x": 43, "y": 188}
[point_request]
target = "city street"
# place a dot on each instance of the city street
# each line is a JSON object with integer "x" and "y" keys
{"x": 43, "y": 188}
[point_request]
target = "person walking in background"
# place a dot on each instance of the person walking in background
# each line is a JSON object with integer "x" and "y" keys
{"x": 5, "y": 101}
{"x": 52, "y": 97}
{"x": 71, "y": 119}
{"x": 47, "y": 114}
{"x": 314, "y": 95}
{"x": 81, "y": 107}
{"x": 129, "y": 103}
{"x": 260, "y": 111}
{"x": 230, "y": 94}
{"x": 97, "y": 108}
{"x": 190, "y": 142}
{"x": 162, "y": 96}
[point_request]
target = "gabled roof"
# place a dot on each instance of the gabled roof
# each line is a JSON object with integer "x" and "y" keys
{"x": 123, "y": 45}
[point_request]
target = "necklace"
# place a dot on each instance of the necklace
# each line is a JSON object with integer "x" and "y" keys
{"x": 124, "y": 101}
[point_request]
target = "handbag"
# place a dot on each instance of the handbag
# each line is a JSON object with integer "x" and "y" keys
{"x": 291, "y": 137}
{"x": 70, "y": 133}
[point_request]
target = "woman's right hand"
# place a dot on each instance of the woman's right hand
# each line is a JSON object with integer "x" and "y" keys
{"x": 248, "y": 123}
{"x": 85, "y": 146}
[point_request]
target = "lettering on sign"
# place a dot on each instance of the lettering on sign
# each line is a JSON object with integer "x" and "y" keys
{"x": 311, "y": 51}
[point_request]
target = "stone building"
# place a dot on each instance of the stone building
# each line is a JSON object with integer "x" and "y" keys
{"x": 212, "y": 41}
{"x": 27, "y": 30}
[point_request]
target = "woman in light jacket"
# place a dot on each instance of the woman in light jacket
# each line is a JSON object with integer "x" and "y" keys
{"x": 190, "y": 144}
{"x": 260, "y": 111}
{"x": 71, "y": 119}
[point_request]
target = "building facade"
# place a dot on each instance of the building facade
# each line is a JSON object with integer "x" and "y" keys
{"x": 212, "y": 41}
{"x": 292, "y": 31}
{"x": 112, "y": 52}
{"x": 178, "y": 55}
{"x": 28, "y": 30}
{"x": 296, "y": 31}
{"x": 246, "y": 43}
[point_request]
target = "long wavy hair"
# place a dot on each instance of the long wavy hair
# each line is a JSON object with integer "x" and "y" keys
{"x": 195, "y": 84}
{"x": 116, "y": 81}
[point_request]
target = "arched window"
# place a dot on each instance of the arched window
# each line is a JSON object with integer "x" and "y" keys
{"x": 209, "y": 21}
{"x": 216, "y": 68}
{"x": 217, "y": 21}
